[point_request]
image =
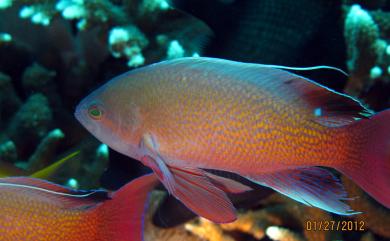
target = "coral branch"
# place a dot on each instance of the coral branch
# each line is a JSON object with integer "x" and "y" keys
{"x": 283, "y": 234}
{"x": 8, "y": 152}
{"x": 45, "y": 152}
{"x": 366, "y": 35}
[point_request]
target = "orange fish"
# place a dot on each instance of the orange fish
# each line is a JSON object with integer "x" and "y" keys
{"x": 33, "y": 209}
{"x": 186, "y": 116}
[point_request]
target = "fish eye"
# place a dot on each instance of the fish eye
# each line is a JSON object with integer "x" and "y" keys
{"x": 95, "y": 112}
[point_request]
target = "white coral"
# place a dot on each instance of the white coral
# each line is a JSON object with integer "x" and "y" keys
{"x": 38, "y": 15}
{"x": 175, "y": 50}
{"x": 5, "y": 37}
{"x": 153, "y": 5}
{"x": 127, "y": 42}
{"x": 5, "y": 4}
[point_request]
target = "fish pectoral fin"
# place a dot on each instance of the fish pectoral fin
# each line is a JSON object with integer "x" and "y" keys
{"x": 313, "y": 186}
{"x": 227, "y": 184}
{"x": 161, "y": 170}
{"x": 154, "y": 160}
{"x": 191, "y": 186}
{"x": 195, "y": 189}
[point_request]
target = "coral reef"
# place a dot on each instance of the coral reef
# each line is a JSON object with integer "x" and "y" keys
{"x": 367, "y": 35}
{"x": 31, "y": 121}
{"x": 124, "y": 25}
{"x": 45, "y": 150}
{"x": 58, "y": 50}
{"x": 245, "y": 223}
{"x": 208, "y": 230}
{"x": 282, "y": 234}
{"x": 8, "y": 152}
{"x": 26, "y": 139}
{"x": 9, "y": 100}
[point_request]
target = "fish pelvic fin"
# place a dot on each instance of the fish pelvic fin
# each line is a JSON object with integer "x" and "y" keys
{"x": 312, "y": 186}
{"x": 309, "y": 68}
{"x": 123, "y": 215}
{"x": 198, "y": 193}
{"x": 369, "y": 164}
{"x": 228, "y": 185}
{"x": 196, "y": 189}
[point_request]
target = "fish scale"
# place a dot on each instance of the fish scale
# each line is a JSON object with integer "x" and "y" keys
{"x": 32, "y": 209}
{"x": 234, "y": 138}
{"x": 272, "y": 127}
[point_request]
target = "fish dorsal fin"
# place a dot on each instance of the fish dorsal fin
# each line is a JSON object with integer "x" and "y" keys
{"x": 67, "y": 197}
{"x": 308, "y": 68}
{"x": 327, "y": 107}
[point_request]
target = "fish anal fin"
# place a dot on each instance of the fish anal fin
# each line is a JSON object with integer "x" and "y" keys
{"x": 227, "y": 184}
{"x": 198, "y": 193}
{"x": 313, "y": 186}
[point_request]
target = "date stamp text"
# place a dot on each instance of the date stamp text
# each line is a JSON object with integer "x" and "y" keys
{"x": 341, "y": 225}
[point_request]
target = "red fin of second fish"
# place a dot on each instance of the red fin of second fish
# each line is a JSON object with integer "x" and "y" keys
{"x": 69, "y": 198}
{"x": 370, "y": 166}
{"x": 312, "y": 186}
{"x": 123, "y": 216}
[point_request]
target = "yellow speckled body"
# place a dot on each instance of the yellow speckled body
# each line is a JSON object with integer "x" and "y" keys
{"x": 26, "y": 215}
{"x": 215, "y": 119}
{"x": 36, "y": 210}
{"x": 182, "y": 117}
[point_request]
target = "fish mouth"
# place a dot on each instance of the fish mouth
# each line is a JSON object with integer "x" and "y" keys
{"x": 78, "y": 114}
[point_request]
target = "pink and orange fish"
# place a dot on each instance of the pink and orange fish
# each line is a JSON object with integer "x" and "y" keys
{"x": 186, "y": 116}
{"x": 33, "y": 209}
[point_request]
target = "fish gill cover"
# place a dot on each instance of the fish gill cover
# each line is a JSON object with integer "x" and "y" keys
{"x": 53, "y": 53}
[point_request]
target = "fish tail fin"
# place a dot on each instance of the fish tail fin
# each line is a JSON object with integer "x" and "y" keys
{"x": 369, "y": 166}
{"x": 123, "y": 215}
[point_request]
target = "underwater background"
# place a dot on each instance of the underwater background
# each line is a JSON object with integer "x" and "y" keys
{"x": 53, "y": 53}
